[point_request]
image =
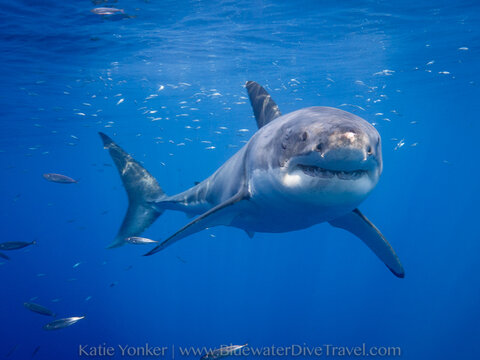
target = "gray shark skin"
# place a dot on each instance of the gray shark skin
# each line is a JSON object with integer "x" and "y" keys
{"x": 310, "y": 166}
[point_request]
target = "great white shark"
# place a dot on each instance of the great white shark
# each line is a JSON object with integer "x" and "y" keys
{"x": 309, "y": 166}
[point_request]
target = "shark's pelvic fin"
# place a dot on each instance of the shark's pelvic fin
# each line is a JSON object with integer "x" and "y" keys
{"x": 218, "y": 215}
{"x": 250, "y": 233}
{"x": 141, "y": 187}
{"x": 264, "y": 108}
{"x": 356, "y": 223}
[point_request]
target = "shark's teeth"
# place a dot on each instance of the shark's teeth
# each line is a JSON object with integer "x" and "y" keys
{"x": 316, "y": 171}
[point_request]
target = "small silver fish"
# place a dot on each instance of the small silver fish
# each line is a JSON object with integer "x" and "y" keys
{"x": 182, "y": 260}
{"x": 222, "y": 352}
{"x": 62, "y": 323}
{"x": 35, "y": 351}
{"x": 11, "y": 351}
{"x": 15, "y": 245}
{"x": 59, "y": 178}
{"x": 139, "y": 240}
{"x": 107, "y": 11}
{"x": 39, "y": 309}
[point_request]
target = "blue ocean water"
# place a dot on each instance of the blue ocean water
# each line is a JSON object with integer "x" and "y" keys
{"x": 166, "y": 81}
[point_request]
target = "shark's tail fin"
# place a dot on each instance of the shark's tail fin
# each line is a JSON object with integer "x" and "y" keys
{"x": 142, "y": 189}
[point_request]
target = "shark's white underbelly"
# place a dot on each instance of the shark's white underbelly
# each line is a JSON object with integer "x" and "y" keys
{"x": 273, "y": 208}
{"x": 258, "y": 215}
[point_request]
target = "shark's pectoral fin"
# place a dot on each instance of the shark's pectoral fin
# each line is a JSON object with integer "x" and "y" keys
{"x": 356, "y": 223}
{"x": 221, "y": 214}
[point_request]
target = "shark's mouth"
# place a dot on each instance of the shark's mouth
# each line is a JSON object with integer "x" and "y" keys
{"x": 316, "y": 171}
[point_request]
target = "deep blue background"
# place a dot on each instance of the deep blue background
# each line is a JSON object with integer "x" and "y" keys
{"x": 316, "y": 286}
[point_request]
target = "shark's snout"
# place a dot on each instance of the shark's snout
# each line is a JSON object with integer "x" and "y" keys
{"x": 347, "y": 149}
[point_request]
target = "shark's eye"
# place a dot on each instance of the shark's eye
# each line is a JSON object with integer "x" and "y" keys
{"x": 304, "y": 136}
{"x": 319, "y": 147}
{"x": 369, "y": 150}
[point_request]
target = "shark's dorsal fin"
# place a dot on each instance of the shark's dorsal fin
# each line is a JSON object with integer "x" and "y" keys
{"x": 264, "y": 108}
{"x": 356, "y": 223}
{"x": 213, "y": 217}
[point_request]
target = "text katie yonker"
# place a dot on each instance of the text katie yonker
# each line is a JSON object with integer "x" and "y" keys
{"x": 325, "y": 350}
